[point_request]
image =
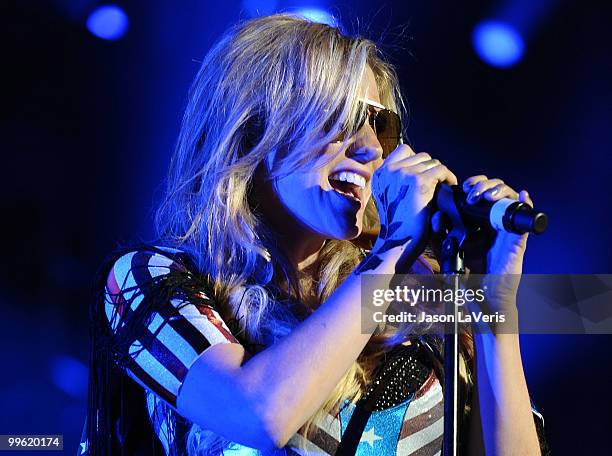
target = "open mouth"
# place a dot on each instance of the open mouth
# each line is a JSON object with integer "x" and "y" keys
{"x": 348, "y": 184}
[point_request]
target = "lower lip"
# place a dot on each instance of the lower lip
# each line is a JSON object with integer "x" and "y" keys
{"x": 354, "y": 202}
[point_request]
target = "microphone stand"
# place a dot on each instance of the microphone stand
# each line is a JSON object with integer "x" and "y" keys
{"x": 452, "y": 268}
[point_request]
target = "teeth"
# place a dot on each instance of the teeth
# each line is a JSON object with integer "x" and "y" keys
{"x": 348, "y": 176}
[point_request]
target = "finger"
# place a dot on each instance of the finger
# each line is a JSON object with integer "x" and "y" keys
{"x": 423, "y": 166}
{"x": 411, "y": 160}
{"x": 525, "y": 198}
{"x": 471, "y": 181}
{"x": 479, "y": 188}
{"x": 401, "y": 152}
{"x": 441, "y": 173}
{"x": 500, "y": 191}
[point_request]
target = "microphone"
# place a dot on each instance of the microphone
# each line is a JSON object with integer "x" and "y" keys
{"x": 506, "y": 214}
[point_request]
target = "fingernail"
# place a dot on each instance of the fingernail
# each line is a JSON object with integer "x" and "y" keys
{"x": 473, "y": 196}
{"x": 494, "y": 192}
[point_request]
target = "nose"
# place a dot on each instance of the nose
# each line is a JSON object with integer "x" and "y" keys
{"x": 365, "y": 148}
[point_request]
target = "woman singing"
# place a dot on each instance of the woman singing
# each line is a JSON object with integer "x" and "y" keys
{"x": 239, "y": 330}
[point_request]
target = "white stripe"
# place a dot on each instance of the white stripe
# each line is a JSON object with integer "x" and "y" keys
{"x": 123, "y": 275}
{"x": 177, "y": 345}
{"x": 425, "y": 402}
{"x": 156, "y": 323}
{"x": 136, "y": 301}
{"x": 201, "y": 322}
{"x": 125, "y": 280}
{"x": 155, "y": 369}
{"x": 159, "y": 265}
{"x": 304, "y": 447}
{"x": 421, "y": 438}
{"x": 331, "y": 425}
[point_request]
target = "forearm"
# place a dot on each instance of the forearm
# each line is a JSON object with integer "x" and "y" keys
{"x": 292, "y": 378}
{"x": 501, "y": 421}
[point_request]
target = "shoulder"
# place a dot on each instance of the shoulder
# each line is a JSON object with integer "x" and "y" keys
{"x": 148, "y": 260}
{"x": 132, "y": 275}
{"x": 130, "y": 268}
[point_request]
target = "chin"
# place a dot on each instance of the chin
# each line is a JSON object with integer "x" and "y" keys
{"x": 345, "y": 233}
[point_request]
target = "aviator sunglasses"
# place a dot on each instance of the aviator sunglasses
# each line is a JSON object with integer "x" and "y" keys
{"x": 386, "y": 124}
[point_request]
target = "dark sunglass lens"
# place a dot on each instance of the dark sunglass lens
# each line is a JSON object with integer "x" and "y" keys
{"x": 388, "y": 130}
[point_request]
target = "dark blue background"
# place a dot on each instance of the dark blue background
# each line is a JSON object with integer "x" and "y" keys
{"x": 88, "y": 127}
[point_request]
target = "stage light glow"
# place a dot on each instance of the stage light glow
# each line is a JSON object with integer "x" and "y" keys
{"x": 108, "y": 22}
{"x": 259, "y": 7}
{"x": 317, "y": 15}
{"x": 69, "y": 375}
{"x": 498, "y": 44}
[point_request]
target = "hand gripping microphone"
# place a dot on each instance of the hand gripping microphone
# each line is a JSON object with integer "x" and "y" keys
{"x": 505, "y": 214}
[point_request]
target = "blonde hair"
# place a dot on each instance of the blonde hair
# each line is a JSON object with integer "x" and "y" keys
{"x": 277, "y": 85}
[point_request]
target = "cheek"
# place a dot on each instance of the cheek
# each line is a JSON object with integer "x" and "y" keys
{"x": 299, "y": 191}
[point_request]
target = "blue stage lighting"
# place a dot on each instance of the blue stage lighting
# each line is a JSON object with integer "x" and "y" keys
{"x": 69, "y": 375}
{"x": 317, "y": 15}
{"x": 498, "y": 44}
{"x": 108, "y": 22}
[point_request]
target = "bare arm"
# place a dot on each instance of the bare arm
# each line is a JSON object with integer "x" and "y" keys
{"x": 502, "y": 420}
{"x": 261, "y": 402}
{"x": 268, "y": 397}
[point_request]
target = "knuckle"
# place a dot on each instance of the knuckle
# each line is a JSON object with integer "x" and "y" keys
{"x": 389, "y": 167}
{"x": 419, "y": 177}
{"x": 404, "y": 171}
{"x": 406, "y": 148}
{"x": 424, "y": 187}
{"x": 441, "y": 170}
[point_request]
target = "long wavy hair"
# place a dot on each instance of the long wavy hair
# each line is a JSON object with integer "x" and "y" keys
{"x": 282, "y": 87}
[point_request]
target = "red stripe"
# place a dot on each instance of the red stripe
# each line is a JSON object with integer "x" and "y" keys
{"x": 152, "y": 384}
{"x": 430, "y": 449}
{"x": 210, "y": 314}
{"x": 115, "y": 293}
{"x": 425, "y": 387}
{"x": 425, "y": 419}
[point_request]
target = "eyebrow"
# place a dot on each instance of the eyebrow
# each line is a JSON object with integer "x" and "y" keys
{"x": 373, "y": 103}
